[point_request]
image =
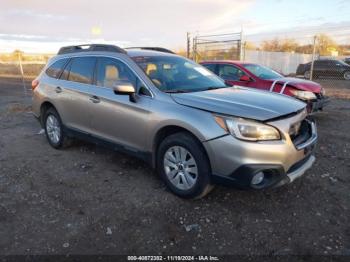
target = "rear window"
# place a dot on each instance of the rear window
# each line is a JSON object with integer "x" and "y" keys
{"x": 56, "y": 68}
{"x": 82, "y": 70}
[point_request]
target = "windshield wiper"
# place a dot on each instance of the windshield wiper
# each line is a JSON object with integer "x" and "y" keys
{"x": 176, "y": 91}
{"x": 214, "y": 87}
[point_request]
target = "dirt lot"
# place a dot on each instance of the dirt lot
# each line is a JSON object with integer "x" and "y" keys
{"x": 90, "y": 200}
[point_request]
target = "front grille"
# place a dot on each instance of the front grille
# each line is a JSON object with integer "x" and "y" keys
{"x": 301, "y": 135}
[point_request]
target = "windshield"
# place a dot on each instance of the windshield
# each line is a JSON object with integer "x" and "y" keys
{"x": 177, "y": 74}
{"x": 262, "y": 71}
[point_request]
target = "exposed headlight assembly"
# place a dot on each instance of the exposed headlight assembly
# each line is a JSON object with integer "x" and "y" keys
{"x": 247, "y": 129}
{"x": 304, "y": 95}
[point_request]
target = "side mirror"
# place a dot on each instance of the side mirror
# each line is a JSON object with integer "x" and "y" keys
{"x": 245, "y": 78}
{"x": 125, "y": 88}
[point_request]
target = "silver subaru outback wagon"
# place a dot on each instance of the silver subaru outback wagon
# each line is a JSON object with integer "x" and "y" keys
{"x": 176, "y": 115}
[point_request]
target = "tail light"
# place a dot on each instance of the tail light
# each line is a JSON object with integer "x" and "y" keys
{"x": 35, "y": 83}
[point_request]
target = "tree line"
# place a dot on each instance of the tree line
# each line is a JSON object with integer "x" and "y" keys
{"x": 325, "y": 46}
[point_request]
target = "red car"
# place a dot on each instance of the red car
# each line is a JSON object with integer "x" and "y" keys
{"x": 261, "y": 77}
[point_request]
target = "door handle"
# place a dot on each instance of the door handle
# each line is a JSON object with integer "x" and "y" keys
{"x": 94, "y": 99}
{"x": 58, "y": 90}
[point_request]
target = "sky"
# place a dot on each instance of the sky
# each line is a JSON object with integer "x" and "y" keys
{"x": 41, "y": 26}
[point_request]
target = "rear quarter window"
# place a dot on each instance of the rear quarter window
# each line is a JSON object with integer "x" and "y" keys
{"x": 56, "y": 68}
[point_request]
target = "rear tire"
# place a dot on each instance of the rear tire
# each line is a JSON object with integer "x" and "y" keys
{"x": 184, "y": 166}
{"x": 54, "y": 129}
{"x": 346, "y": 75}
{"x": 307, "y": 74}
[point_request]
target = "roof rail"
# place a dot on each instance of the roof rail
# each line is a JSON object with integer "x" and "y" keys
{"x": 90, "y": 48}
{"x": 159, "y": 49}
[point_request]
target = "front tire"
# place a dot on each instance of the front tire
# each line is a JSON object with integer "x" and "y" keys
{"x": 54, "y": 128}
{"x": 346, "y": 75}
{"x": 184, "y": 166}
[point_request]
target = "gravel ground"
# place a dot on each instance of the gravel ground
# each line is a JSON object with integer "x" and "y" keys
{"x": 90, "y": 200}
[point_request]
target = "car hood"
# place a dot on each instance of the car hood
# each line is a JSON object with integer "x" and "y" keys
{"x": 241, "y": 102}
{"x": 301, "y": 84}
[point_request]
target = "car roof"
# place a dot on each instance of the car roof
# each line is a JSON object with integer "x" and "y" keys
{"x": 327, "y": 59}
{"x": 140, "y": 52}
{"x": 236, "y": 62}
{"x": 131, "y": 52}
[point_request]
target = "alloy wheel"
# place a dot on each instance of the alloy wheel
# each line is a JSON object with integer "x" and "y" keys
{"x": 307, "y": 75}
{"x": 180, "y": 167}
{"x": 53, "y": 129}
{"x": 347, "y": 75}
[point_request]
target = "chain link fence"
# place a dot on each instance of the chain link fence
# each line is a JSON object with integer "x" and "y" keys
{"x": 214, "y": 47}
{"x": 320, "y": 57}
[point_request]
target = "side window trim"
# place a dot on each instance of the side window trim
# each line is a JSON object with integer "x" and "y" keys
{"x": 64, "y": 67}
{"x": 94, "y": 75}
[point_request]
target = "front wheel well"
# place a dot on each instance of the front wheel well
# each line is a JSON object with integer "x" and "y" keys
{"x": 167, "y": 131}
{"x": 43, "y": 108}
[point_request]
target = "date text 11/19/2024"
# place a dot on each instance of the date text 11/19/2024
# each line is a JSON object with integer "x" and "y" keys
{"x": 173, "y": 258}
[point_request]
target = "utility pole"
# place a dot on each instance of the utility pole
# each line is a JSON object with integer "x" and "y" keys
{"x": 313, "y": 58}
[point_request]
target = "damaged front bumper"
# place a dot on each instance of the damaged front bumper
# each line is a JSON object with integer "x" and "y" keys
{"x": 317, "y": 105}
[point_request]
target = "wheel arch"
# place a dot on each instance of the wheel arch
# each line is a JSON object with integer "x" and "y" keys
{"x": 43, "y": 108}
{"x": 166, "y": 131}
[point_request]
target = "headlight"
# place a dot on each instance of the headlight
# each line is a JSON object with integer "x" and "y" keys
{"x": 304, "y": 95}
{"x": 247, "y": 129}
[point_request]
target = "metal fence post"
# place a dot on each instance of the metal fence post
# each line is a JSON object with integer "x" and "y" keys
{"x": 313, "y": 58}
{"x": 194, "y": 53}
{"x": 241, "y": 45}
{"x": 244, "y": 49}
{"x": 188, "y": 44}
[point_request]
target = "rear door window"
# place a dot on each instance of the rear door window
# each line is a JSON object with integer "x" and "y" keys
{"x": 56, "y": 68}
{"x": 81, "y": 70}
